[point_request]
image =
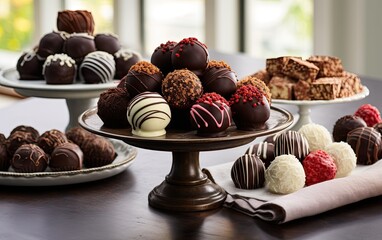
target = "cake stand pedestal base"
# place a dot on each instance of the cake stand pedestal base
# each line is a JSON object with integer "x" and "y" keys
{"x": 76, "y": 106}
{"x": 186, "y": 187}
{"x": 304, "y": 117}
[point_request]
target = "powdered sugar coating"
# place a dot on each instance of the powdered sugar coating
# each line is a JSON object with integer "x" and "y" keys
{"x": 285, "y": 175}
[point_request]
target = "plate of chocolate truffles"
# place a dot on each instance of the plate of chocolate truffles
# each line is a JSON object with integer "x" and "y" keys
{"x": 71, "y": 61}
{"x": 28, "y": 158}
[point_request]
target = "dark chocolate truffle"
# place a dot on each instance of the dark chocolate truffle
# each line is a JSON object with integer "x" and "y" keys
{"x": 161, "y": 57}
{"x": 250, "y": 108}
{"x": 29, "y": 158}
{"x": 264, "y": 150}
{"x": 181, "y": 88}
{"x": 78, "y": 45}
{"x": 98, "y": 152}
{"x": 142, "y": 77}
{"x": 259, "y": 84}
{"x": 75, "y": 21}
{"x": 211, "y": 115}
{"x": 29, "y": 66}
{"x": 112, "y": 107}
{"x": 59, "y": 69}
{"x": 107, "y": 42}
{"x": 248, "y": 172}
{"x": 366, "y": 143}
{"x": 124, "y": 59}
{"x": 97, "y": 67}
{"x": 219, "y": 77}
{"x": 66, "y": 157}
{"x": 51, "y": 43}
{"x": 191, "y": 54}
{"x": 4, "y": 156}
{"x": 79, "y": 136}
{"x": 292, "y": 142}
{"x": 18, "y": 138}
{"x": 346, "y": 124}
{"x": 50, "y": 139}
{"x": 378, "y": 127}
{"x": 25, "y": 128}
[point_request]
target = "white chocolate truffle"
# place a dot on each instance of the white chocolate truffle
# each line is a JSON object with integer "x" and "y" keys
{"x": 343, "y": 156}
{"x": 317, "y": 135}
{"x": 148, "y": 114}
{"x": 285, "y": 175}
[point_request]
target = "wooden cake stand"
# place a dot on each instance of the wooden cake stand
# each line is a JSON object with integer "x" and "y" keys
{"x": 186, "y": 187}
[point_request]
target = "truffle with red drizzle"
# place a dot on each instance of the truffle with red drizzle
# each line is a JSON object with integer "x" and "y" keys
{"x": 211, "y": 115}
{"x": 190, "y": 53}
{"x": 250, "y": 108}
{"x": 161, "y": 57}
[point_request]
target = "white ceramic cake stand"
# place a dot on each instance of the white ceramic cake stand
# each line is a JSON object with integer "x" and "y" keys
{"x": 304, "y": 106}
{"x": 79, "y": 96}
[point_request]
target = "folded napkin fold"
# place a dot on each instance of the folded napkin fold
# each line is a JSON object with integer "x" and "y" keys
{"x": 364, "y": 182}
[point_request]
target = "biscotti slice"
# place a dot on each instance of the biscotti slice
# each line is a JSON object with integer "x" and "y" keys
{"x": 329, "y": 66}
{"x": 325, "y": 88}
{"x": 281, "y": 87}
{"x": 300, "y": 69}
{"x": 302, "y": 90}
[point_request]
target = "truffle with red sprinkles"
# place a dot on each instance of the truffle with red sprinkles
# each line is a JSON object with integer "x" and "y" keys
{"x": 220, "y": 78}
{"x": 250, "y": 108}
{"x": 112, "y": 107}
{"x": 369, "y": 113}
{"x": 181, "y": 88}
{"x": 319, "y": 166}
{"x": 190, "y": 53}
{"x": 211, "y": 115}
{"x": 251, "y": 80}
{"x": 142, "y": 77}
{"x": 161, "y": 57}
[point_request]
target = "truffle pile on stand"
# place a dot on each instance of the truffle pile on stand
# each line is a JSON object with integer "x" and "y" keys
{"x": 74, "y": 53}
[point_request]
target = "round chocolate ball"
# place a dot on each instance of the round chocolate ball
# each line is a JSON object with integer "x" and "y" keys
{"x": 59, "y": 69}
{"x": 250, "y": 108}
{"x": 50, "y": 139}
{"x": 29, "y": 66}
{"x": 142, "y": 77}
{"x": 191, "y": 54}
{"x": 112, "y": 107}
{"x": 107, "y": 42}
{"x": 259, "y": 84}
{"x": 51, "y": 43}
{"x": 181, "y": 88}
{"x": 79, "y": 136}
{"x": 293, "y": 143}
{"x": 18, "y": 138}
{"x": 78, "y": 21}
{"x": 346, "y": 124}
{"x": 97, "y": 67}
{"x": 264, "y": 150}
{"x": 78, "y": 45}
{"x": 29, "y": 158}
{"x": 366, "y": 143}
{"x": 248, "y": 172}
{"x": 98, "y": 152}
{"x": 211, "y": 115}
{"x": 161, "y": 57}
{"x": 124, "y": 59}
{"x": 4, "y": 156}
{"x": 66, "y": 157}
{"x": 25, "y": 128}
{"x": 219, "y": 77}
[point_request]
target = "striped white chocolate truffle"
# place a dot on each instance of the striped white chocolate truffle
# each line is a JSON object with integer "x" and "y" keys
{"x": 285, "y": 175}
{"x": 264, "y": 150}
{"x": 148, "y": 114}
{"x": 97, "y": 67}
{"x": 247, "y": 172}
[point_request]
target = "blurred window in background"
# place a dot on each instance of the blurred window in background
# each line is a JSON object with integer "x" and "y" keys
{"x": 172, "y": 20}
{"x": 278, "y": 27}
{"x": 102, "y": 11}
{"x": 16, "y": 24}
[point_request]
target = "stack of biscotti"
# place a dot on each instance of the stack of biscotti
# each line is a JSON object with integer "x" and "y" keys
{"x": 314, "y": 78}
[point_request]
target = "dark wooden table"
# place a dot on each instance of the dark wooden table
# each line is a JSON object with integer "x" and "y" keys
{"x": 117, "y": 207}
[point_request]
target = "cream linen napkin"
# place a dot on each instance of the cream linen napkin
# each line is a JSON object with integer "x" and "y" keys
{"x": 364, "y": 182}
